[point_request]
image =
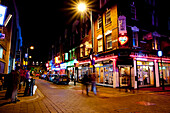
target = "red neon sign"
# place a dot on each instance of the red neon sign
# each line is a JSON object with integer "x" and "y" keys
{"x": 123, "y": 40}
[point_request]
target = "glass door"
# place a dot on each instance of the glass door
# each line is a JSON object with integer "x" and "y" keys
{"x": 145, "y": 75}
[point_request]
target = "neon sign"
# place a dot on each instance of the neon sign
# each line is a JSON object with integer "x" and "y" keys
{"x": 123, "y": 40}
{"x": 2, "y": 14}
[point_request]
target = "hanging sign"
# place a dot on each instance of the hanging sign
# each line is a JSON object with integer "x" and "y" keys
{"x": 122, "y": 25}
{"x": 123, "y": 40}
{"x": 2, "y": 14}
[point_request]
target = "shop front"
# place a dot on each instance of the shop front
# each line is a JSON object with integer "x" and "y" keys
{"x": 147, "y": 71}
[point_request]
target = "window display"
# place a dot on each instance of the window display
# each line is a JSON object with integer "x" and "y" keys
{"x": 145, "y": 73}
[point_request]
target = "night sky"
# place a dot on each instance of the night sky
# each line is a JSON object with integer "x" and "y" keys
{"x": 41, "y": 23}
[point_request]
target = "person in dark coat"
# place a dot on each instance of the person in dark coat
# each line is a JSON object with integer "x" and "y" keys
{"x": 15, "y": 85}
{"x": 85, "y": 82}
{"x": 9, "y": 85}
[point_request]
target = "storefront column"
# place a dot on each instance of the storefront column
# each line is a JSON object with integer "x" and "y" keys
{"x": 134, "y": 83}
{"x": 156, "y": 73}
{"x": 115, "y": 75}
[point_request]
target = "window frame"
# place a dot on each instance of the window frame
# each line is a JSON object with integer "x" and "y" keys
{"x": 108, "y": 17}
{"x": 108, "y": 41}
{"x": 100, "y": 45}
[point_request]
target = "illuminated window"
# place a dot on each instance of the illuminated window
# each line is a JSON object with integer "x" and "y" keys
{"x": 100, "y": 45}
{"x": 135, "y": 39}
{"x": 88, "y": 45}
{"x": 99, "y": 22}
{"x": 81, "y": 50}
{"x": 109, "y": 41}
{"x": 1, "y": 52}
{"x": 108, "y": 17}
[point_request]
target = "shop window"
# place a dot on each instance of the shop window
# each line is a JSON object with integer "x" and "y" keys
{"x": 166, "y": 73}
{"x": 100, "y": 45}
{"x": 135, "y": 39}
{"x": 145, "y": 73}
{"x": 124, "y": 76}
{"x": 109, "y": 41}
{"x": 108, "y": 17}
{"x": 99, "y": 22}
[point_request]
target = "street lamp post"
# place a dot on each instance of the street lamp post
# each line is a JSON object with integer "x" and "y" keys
{"x": 82, "y": 7}
{"x": 160, "y": 55}
{"x": 32, "y": 47}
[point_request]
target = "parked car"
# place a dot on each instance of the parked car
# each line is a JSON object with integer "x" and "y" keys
{"x": 43, "y": 76}
{"x": 61, "y": 79}
{"x": 51, "y": 77}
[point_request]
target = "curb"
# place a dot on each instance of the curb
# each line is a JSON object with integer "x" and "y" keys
{"x": 37, "y": 95}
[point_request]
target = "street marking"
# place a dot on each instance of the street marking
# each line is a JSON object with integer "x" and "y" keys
{"x": 145, "y": 103}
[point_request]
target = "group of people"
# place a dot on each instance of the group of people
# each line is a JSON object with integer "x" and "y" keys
{"x": 88, "y": 80}
{"x": 15, "y": 80}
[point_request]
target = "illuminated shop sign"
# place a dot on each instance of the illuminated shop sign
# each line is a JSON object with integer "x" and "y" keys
{"x": 122, "y": 25}
{"x": 123, "y": 40}
{"x": 66, "y": 56}
{"x": 63, "y": 66}
{"x": 2, "y": 14}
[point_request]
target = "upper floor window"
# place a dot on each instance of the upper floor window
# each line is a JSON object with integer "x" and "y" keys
{"x": 108, "y": 17}
{"x": 100, "y": 45}
{"x": 81, "y": 50}
{"x": 169, "y": 23}
{"x": 109, "y": 41}
{"x": 133, "y": 11}
{"x": 1, "y": 52}
{"x": 99, "y": 22}
{"x": 135, "y": 39}
{"x": 135, "y": 31}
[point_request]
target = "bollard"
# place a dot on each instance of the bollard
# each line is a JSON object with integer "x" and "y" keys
{"x": 74, "y": 82}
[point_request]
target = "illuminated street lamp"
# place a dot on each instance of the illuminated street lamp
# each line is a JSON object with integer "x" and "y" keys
{"x": 32, "y": 47}
{"x": 81, "y": 7}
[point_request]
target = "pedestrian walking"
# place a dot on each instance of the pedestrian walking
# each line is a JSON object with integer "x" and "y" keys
{"x": 15, "y": 84}
{"x": 93, "y": 83}
{"x": 85, "y": 82}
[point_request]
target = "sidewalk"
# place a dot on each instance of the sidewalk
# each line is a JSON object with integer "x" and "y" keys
{"x": 21, "y": 97}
